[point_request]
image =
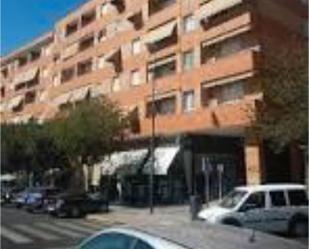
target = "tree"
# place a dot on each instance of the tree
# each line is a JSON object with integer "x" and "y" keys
{"x": 282, "y": 116}
{"x": 88, "y": 131}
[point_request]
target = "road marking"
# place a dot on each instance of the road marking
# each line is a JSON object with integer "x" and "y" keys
{"x": 36, "y": 232}
{"x": 76, "y": 227}
{"x": 59, "y": 230}
{"x": 13, "y": 236}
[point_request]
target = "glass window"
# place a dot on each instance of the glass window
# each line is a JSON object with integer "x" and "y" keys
{"x": 232, "y": 199}
{"x": 188, "y": 101}
{"x": 231, "y": 91}
{"x": 298, "y": 198}
{"x": 277, "y": 198}
{"x": 136, "y": 46}
{"x": 189, "y": 24}
{"x": 188, "y": 60}
{"x": 135, "y": 78}
{"x": 142, "y": 245}
{"x": 163, "y": 106}
{"x": 255, "y": 200}
{"x": 110, "y": 241}
{"x": 116, "y": 84}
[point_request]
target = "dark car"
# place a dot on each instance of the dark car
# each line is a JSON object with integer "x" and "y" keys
{"x": 77, "y": 205}
{"x": 37, "y": 199}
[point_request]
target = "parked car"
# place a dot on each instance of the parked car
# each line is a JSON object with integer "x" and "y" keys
{"x": 8, "y": 194}
{"x": 77, "y": 205}
{"x": 170, "y": 234}
{"x": 21, "y": 197}
{"x": 270, "y": 208}
{"x": 37, "y": 199}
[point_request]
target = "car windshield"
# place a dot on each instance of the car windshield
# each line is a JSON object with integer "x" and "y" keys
{"x": 232, "y": 199}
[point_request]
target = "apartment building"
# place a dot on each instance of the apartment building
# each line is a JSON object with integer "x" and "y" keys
{"x": 197, "y": 60}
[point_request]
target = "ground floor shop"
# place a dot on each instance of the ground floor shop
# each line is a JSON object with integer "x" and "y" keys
{"x": 191, "y": 164}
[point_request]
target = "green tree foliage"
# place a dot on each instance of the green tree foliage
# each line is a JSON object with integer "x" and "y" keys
{"x": 88, "y": 131}
{"x": 283, "y": 113}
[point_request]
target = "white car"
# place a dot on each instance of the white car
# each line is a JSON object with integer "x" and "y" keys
{"x": 173, "y": 234}
{"x": 269, "y": 208}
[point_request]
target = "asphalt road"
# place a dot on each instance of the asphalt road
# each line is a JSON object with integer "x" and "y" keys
{"x": 21, "y": 230}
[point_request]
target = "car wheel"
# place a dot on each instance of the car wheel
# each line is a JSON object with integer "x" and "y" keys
{"x": 231, "y": 222}
{"x": 299, "y": 227}
{"x": 75, "y": 212}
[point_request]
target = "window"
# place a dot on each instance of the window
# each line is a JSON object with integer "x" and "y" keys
{"x": 136, "y": 46}
{"x": 135, "y": 78}
{"x": 228, "y": 92}
{"x": 30, "y": 97}
{"x": 102, "y": 35}
{"x": 5, "y": 72}
{"x": 71, "y": 28}
{"x": 22, "y": 61}
{"x": 67, "y": 74}
{"x": 142, "y": 245}
{"x": 110, "y": 241}
{"x": 189, "y": 24}
{"x": 162, "y": 68}
{"x": 225, "y": 48}
{"x": 101, "y": 61}
{"x": 298, "y": 198}
{"x": 163, "y": 106}
{"x": 188, "y": 101}
{"x": 86, "y": 43}
{"x": 188, "y": 60}
{"x": 2, "y": 92}
{"x": 88, "y": 18}
{"x": 84, "y": 67}
{"x": 255, "y": 200}
{"x": 116, "y": 84}
{"x": 277, "y": 198}
{"x": 34, "y": 55}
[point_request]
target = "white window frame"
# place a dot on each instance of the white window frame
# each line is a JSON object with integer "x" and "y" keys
{"x": 188, "y": 101}
{"x": 189, "y": 23}
{"x": 136, "y": 46}
{"x": 136, "y": 78}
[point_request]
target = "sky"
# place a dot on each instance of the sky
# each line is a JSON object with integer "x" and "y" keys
{"x": 24, "y": 20}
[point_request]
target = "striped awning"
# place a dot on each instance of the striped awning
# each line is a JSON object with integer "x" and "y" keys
{"x": 160, "y": 33}
{"x": 214, "y": 7}
{"x": 15, "y": 102}
{"x": 26, "y": 76}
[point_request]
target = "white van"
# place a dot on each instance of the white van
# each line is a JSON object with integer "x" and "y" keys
{"x": 270, "y": 208}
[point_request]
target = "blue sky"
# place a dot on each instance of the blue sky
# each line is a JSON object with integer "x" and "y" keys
{"x": 23, "y": 20}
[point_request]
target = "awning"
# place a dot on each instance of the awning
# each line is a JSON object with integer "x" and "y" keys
{"x": 216, "y": 6}
{"x": 125, "y": 161}
{"x": 80, "y": 94}
{"x": 226, "y": 80}
{"x": 26, "y": 76}
{"x": 164, "y": 157}
{"x": 160, "y": 33}
{"x": 70, "y": 50}
{"x": 15, "y": 102}
{"x": 62, "y": 99}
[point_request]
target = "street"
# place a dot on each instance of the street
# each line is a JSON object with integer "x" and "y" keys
{"x": 21, "y": 230}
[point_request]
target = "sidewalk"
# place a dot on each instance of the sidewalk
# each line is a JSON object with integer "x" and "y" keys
{"x": 131, "y": 216}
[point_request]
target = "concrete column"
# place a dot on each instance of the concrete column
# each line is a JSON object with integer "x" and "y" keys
{"x": 253, "y": 152}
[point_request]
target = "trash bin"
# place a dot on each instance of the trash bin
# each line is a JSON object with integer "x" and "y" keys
{"x": 195, "y": 206}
